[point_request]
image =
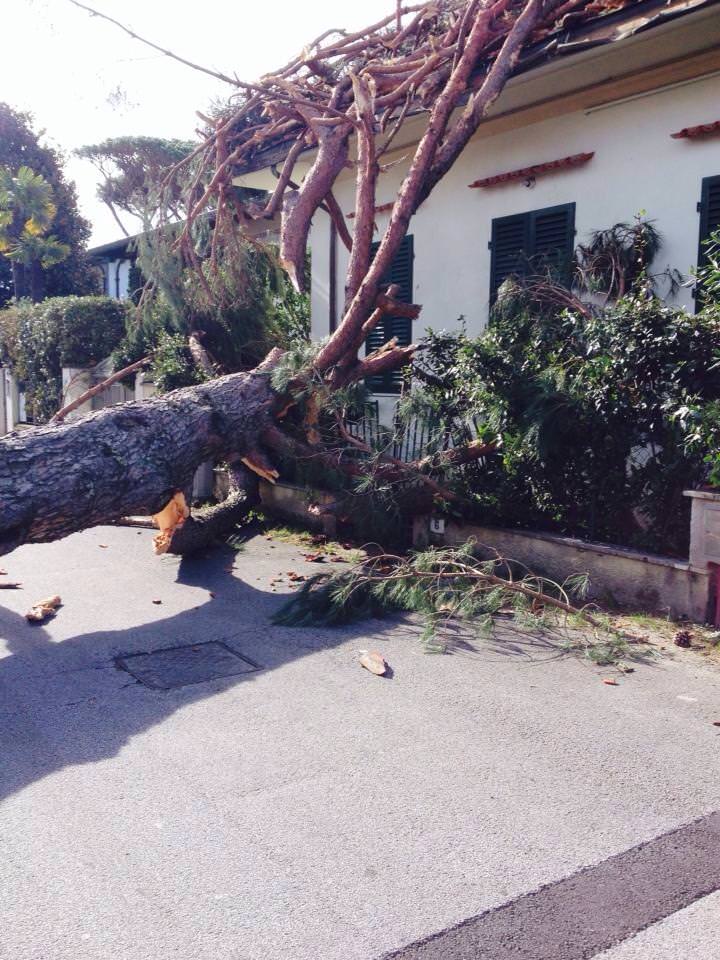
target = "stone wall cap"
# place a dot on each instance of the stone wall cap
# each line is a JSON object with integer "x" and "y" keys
{"x": 589, "y": 546}
{"x": 703, "y": 495}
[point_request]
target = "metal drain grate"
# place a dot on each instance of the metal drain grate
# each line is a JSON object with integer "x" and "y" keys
{"x": 180, "y": 666}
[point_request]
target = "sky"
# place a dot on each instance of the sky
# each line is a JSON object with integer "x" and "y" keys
{"x": 84, "y": 80}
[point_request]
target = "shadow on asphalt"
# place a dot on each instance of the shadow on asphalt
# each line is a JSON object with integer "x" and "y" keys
{"x": 58, "y": 710}
{"x": 61, "y": 705}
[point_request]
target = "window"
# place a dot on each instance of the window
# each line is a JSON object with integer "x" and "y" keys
{"x": 709, "y": 208}
{"x": 530, "y": 241}
{"x": 401, "y": 273}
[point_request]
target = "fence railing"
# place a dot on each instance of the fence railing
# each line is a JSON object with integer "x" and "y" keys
{"x": 412, "y": 439}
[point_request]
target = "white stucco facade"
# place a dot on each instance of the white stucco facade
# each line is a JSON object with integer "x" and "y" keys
{"x": 637, "y": 166}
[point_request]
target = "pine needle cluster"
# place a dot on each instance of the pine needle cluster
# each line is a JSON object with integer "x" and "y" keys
{"x": 451, "y": 587}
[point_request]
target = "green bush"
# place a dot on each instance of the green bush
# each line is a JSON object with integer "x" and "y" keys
{"x": 38, "y": 339}
{"x": 605, "y": 415}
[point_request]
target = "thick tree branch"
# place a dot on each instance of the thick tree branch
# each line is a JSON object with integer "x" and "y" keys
{"x": 211, "y": 524}
{"x": 99, "y": 388}
{"x": 300, "y": 205}
{"x": 200, "y": 355}
{"x": 367, "y": 171}
{"x": 124, "y": 460}
{"x": 275, "y": 201}
{"x": 412, "y": 186}
{"x": 382, "y": 362}
{"x": 478, "y": 105}
{"x": 337, "y": 217}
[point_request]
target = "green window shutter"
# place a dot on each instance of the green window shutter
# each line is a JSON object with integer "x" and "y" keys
{"x": 553, "y": 233}
{"x": 709, "y": 211}
{"x": 510, "y": 245}
{"x": 709, "y": 208}
{"x": 709, "y": 214}
{"x": 401, "y": 273}
{"x": 532, "y": 241}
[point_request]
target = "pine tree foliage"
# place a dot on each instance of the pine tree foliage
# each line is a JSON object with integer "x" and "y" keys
{"x": 451, "y": 588}
{"x": 133, "y": 170}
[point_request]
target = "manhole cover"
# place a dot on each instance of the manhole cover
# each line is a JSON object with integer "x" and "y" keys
{"x": 180, "y": 666}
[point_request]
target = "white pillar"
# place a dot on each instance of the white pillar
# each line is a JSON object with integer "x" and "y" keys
{"x": 12, "y": 401}
{"x": 75, "y": 381}
{"x": 704, "y": 528}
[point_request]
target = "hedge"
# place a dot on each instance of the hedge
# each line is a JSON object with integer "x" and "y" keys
{"x": 38, "y": 339}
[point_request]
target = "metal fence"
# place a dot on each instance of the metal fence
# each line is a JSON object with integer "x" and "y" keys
{"x": 410, "y": 440}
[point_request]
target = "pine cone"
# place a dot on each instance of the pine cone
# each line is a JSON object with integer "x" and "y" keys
{"x": 683, "y": 638}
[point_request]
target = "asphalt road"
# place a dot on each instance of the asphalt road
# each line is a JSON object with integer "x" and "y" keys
{"x": 501, "y": 802}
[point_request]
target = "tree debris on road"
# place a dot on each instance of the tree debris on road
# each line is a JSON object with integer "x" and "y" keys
{"x": 374, "y": 662}
{"x": 43, "y": 610}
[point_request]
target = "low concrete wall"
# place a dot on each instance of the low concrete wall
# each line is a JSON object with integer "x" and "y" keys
{"x": 295, "y": 503}
{"x": 619, "y": 576}
{"x": 628, "y": 578}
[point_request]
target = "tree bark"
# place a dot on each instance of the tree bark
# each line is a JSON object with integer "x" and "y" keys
{"x": 37, "y": 282}
{"x": 19, "y": 280}
{"x": 128, "y": 459}
{"x": 213, "y": 523}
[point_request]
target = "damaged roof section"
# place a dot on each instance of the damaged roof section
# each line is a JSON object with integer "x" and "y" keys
{"x": 574, "y": 27}
{"x": 602, "y": 23}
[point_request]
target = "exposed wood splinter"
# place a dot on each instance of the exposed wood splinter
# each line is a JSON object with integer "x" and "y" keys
{"x": 173, "y": 515}
{"x": 261, "y": 466}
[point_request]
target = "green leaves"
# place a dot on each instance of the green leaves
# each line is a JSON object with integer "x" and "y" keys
{"x": 30, "y": 196}
{"x": 709, "y": 276}
{"x": 27, "y": 210}
{"x": 31, "y": 248}
{"x": 606, "y": 415}
{"x": 452, "y": 589}
{"x": 37, "y": 340}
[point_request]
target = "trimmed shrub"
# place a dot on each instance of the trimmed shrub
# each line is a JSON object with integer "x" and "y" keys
{"x": 38, "y": 339}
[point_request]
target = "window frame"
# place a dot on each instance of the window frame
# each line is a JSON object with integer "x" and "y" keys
{"x": 529, "y": 219}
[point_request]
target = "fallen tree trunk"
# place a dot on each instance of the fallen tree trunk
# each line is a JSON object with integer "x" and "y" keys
{"x": 448, "y": 59}
{"x": 123, "y": 460}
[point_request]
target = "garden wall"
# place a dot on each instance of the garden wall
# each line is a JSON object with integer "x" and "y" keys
{"x": 619, "y": 576}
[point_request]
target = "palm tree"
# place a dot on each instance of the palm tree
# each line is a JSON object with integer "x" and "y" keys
{"x": 27, "y": 211}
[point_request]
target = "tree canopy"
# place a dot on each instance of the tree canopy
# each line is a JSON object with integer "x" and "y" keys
{"x": 132, "y": 170}
{"x": 27, "y": 212}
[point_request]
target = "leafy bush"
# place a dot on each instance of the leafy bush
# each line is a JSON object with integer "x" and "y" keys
{"x": 38, "y": 339}
{"x": 173, "y": 365}
{"x": 605, "y": 415}
{"x": 20, "y": 146}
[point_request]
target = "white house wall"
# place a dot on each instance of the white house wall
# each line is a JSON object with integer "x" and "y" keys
{"x": 637, "y": 166}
